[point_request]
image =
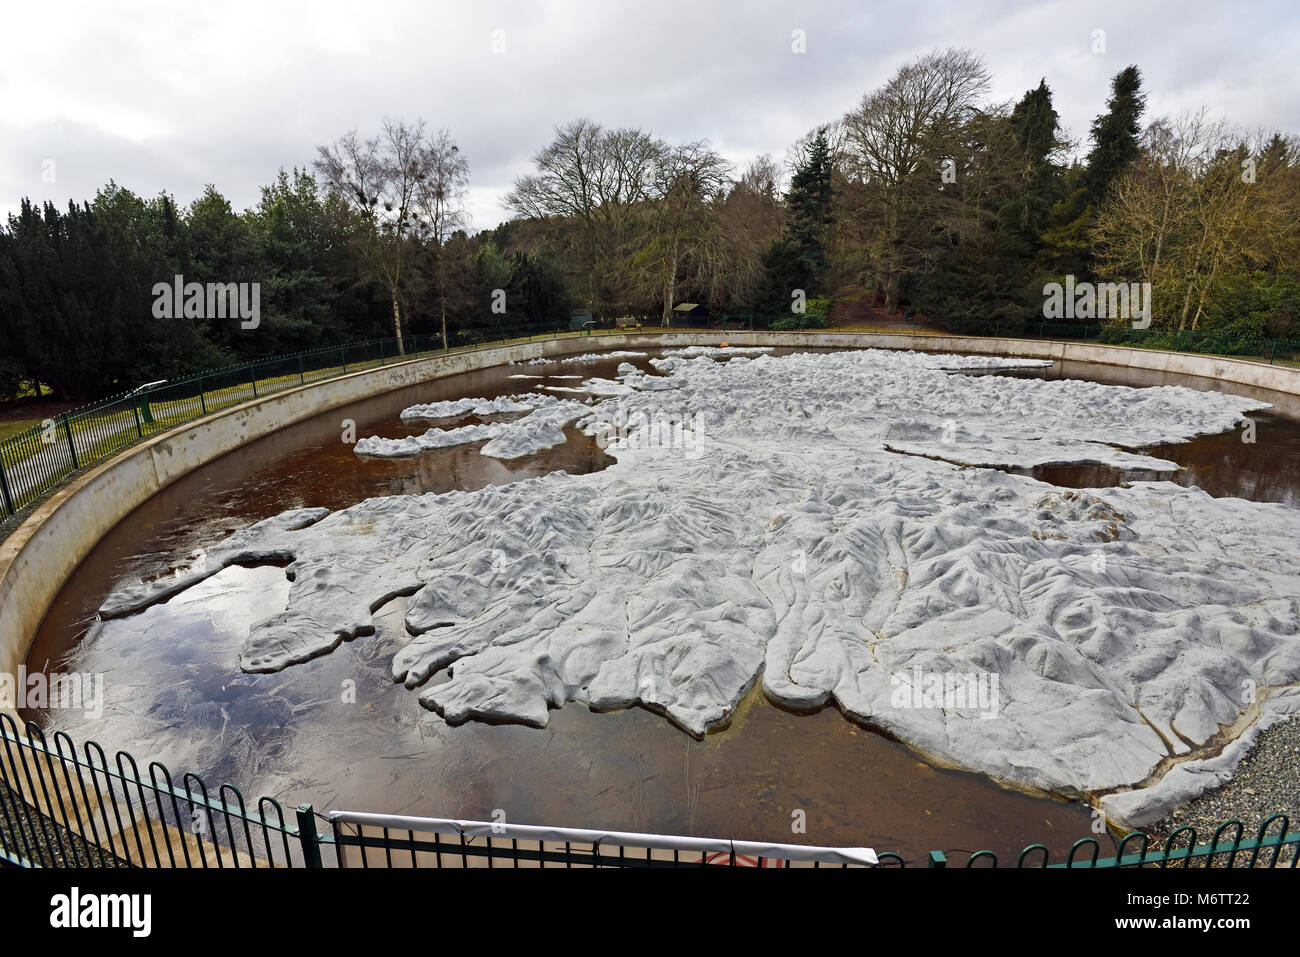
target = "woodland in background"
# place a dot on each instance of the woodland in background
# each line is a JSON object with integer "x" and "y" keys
{"x": 924, "y": 201}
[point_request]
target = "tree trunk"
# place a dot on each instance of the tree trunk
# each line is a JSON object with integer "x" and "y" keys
{"x": 670, "y": 289}
{"x": 442, "y": 296}
{"x": 442, "y": 305}
{"x": 892, "y": 294}
{"x": 591, "y": 280}
{"x": 397, "y": 326}
{"x": 1187, "y": 302}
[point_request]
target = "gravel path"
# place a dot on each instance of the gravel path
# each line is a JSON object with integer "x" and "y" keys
{"x": 57, "y": 845}
{"x": 1266, "y": 782}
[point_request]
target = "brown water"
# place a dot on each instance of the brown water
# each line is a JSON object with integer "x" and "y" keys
{"x": 339, "y": 733}
{"x": 1224, "y": 465}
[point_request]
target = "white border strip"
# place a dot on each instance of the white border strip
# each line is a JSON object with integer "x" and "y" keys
{"x": 795, "y": 852}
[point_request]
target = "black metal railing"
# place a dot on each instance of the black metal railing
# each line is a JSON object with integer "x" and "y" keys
{"x": 63, "y": 807}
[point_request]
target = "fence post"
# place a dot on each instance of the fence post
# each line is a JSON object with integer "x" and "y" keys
{"x": 308, "y": 837}
{"x": 67, "y": 430}
{"x": 343, "y": 357}
{"x": 1271, "y": 351}
{"x": 203, "y": 399}
{"x": 252, "y": 376}
{"x": 302, "y": 378}
{"x": 139, "y": 431}
{"x": 4, "y": 489}
{"x": 381, "y": 352}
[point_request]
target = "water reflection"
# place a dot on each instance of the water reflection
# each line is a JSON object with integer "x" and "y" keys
{"x": 339, "y": 733}
{"x": 1227, "y": 465}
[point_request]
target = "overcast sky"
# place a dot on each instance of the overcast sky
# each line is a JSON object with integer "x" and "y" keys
{"x": 174, "y": 96}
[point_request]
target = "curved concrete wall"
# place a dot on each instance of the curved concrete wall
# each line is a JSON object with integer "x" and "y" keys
{"x": 39, "y": 556}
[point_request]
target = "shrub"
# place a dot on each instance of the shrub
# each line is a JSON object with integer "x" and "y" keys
{"x": 806, "y": 321}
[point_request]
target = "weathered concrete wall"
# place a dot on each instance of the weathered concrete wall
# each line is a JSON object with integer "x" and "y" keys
{"x": 39, "y": 556}
{"x": 1244, "y": 372}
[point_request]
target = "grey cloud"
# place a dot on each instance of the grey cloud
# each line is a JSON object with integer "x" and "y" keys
{"x": 228, "y": 95}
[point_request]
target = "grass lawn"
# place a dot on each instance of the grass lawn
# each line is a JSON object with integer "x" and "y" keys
{"x": 8, "y": 429}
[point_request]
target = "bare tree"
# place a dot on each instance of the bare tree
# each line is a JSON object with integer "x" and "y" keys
{"x": 382, "y": 178}
{"x": 761, "y": 178}
{"x": 749, "y": 219}
{"x": 1187, "y": 213}
{"x": 591, "y": 181}
{"x": 682, "y": 240}
{"x": 440, "y": 201}
{"x": 893, "y": 147}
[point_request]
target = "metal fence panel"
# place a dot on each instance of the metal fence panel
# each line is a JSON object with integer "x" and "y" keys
{"x": 62, "y": 807}
{"x": 444, "y": 842}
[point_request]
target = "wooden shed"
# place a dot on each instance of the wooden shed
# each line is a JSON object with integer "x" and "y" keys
{"x": 690, "y": 314}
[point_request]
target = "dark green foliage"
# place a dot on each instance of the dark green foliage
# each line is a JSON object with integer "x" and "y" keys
{"x": 784, "y": 270}
{"x": 988, "y": 274}
{"x": 1257, "y": 305}
{"x": 809, "y": 204}
{"x": 798, "y": 259}
{"x": 1027, "y": 212}
{"x": 1065, "y": 246}
{"x": 11, "y": 378}
{"x": 536, "y": 291}
{"x": 1115, "y": 134}
{"x": 310, "y": 293}
{"x": 76, "y": 301}
{"x": 491, "y": 273}
{"x": 541, "y": 295}
{"x": 77, "y": 287}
